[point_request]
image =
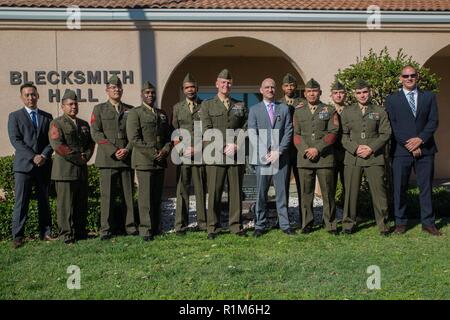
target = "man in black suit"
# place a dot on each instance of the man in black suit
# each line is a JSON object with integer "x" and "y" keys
{"x": 414, "y": 119}
{"x": 28, "y": 132}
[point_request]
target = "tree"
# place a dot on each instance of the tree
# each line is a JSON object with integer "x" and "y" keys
{"x": 382, "y": 72}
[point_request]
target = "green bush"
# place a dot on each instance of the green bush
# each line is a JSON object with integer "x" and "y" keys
{"x": 7, "y": 175}
{"x": 382, "y": 72}
{"x": 32, "y": 224}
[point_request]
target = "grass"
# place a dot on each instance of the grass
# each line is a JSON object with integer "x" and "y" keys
{"x": 275, "y": 266}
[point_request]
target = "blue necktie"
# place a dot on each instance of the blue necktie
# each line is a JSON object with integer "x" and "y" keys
{"x": 34, "y": 119}
{"x": 412, "y": 102}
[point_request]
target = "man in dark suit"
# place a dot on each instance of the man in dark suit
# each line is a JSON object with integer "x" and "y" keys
{"x": 270, "y": 127}
{"x": 28, "y": 132}
{"x": 414, "y": 119}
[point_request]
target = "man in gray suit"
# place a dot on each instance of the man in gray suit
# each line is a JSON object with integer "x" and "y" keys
{"x": 28, "y": 132}
{"x": 270, "y": 133}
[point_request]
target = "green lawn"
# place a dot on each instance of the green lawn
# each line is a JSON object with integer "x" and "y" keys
{"x": 275, "y": 266}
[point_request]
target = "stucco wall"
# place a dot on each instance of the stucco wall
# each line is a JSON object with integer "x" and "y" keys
{"x": 156, "y": 55}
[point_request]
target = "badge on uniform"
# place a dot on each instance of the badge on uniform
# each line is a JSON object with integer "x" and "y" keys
{"x": 85, "y": 129}
{"x": 300, "y": 105}
{"x": 162, "y": 117}
{"x": 374, "y": 116}
{"x": 237, "y": 109}
{"x": 324, "y": 115}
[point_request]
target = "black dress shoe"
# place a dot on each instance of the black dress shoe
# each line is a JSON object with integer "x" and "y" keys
{"x": 289, "y": 232}
{"x": 241, "y": 233}
{"x": 347, "y": 231}
{"x": 180, "y": 232}
{"x": 258, "y": 233}
{"x": 47, "y": 237}
{"x": 384, "y": 233}
{"x": 69, "y": 241}
{"x": 306, "y": 230}
{"x": 17, "y": 243}
{"x": 106, "y": 237}
{"x": 134, "y": 233}
{"x": 148, "y": 238}
{"x": 212, "y": 236}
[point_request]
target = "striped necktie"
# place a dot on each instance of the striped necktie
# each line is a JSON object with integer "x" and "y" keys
{"x": 412, "y": 103}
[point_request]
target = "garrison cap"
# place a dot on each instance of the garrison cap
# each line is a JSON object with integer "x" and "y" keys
{"x": 224, "y": 74}
{"x": 69, "y": 94}
{"x": 361, "y": 84}
{"x": 147, "y": 85}
{"x": 189, "y": 78}
{"x": 114, "y": 80}
{"x": 289, "y": 78}
{"x": 337, "y": 85}
{"x": 312, "y": 84}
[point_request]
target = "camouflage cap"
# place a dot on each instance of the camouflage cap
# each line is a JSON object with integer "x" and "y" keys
{"x": 69, "y": 94}
{"x": 337, "y": 85}
{"x": 312, "y": 84}
{"x": 289, "y": 78}
{"x": 114, "y": 80}
{"x": 147, "y": 85}
{"x": 189, "y": 78}
{"x": 361, "y": 84}
{"x": 224, "y": 74}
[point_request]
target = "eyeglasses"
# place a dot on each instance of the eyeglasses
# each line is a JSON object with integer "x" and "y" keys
{"x": 412, "y": 75}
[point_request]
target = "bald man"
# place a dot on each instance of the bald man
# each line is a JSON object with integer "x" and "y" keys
{"x": 270, "y": 131}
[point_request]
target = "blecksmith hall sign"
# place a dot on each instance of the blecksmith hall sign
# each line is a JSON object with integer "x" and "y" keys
{"x": 70, "y": 78}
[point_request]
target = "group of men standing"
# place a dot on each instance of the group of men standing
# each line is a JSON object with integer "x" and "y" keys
{"x": 306, "y": 136}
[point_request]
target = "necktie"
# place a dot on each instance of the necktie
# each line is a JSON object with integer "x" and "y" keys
{"x": 271, "y": 113}
{"x": 34, "y": 119}
{"x": 312, "y": 109}
{"x": 363, "y": 110}
{"x": 226, "y": 103}
{"x": 191, "y": 106}
{"x": 412, "y": 102}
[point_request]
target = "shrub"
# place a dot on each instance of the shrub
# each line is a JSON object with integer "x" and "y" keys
{"x": 382, "y": 72}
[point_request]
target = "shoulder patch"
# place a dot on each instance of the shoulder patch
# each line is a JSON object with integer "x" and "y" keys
{"x": 54, "y": 132}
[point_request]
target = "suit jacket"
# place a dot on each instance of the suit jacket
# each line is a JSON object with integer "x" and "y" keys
{"x": 70, "y": 140}
{"x": 108, "y": 130}
{"x": 27, "y": 141}
{"x": 371, "y": 129}
{"x": 405, "y": 125}
{"x": 259, "y": 119}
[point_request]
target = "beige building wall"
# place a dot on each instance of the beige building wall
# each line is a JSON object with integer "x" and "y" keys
{"x": 164, "y": 56}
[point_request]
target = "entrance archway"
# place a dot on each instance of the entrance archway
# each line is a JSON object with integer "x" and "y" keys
{"x": 249, "y": 60}
{"x": 439, "y": 63}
